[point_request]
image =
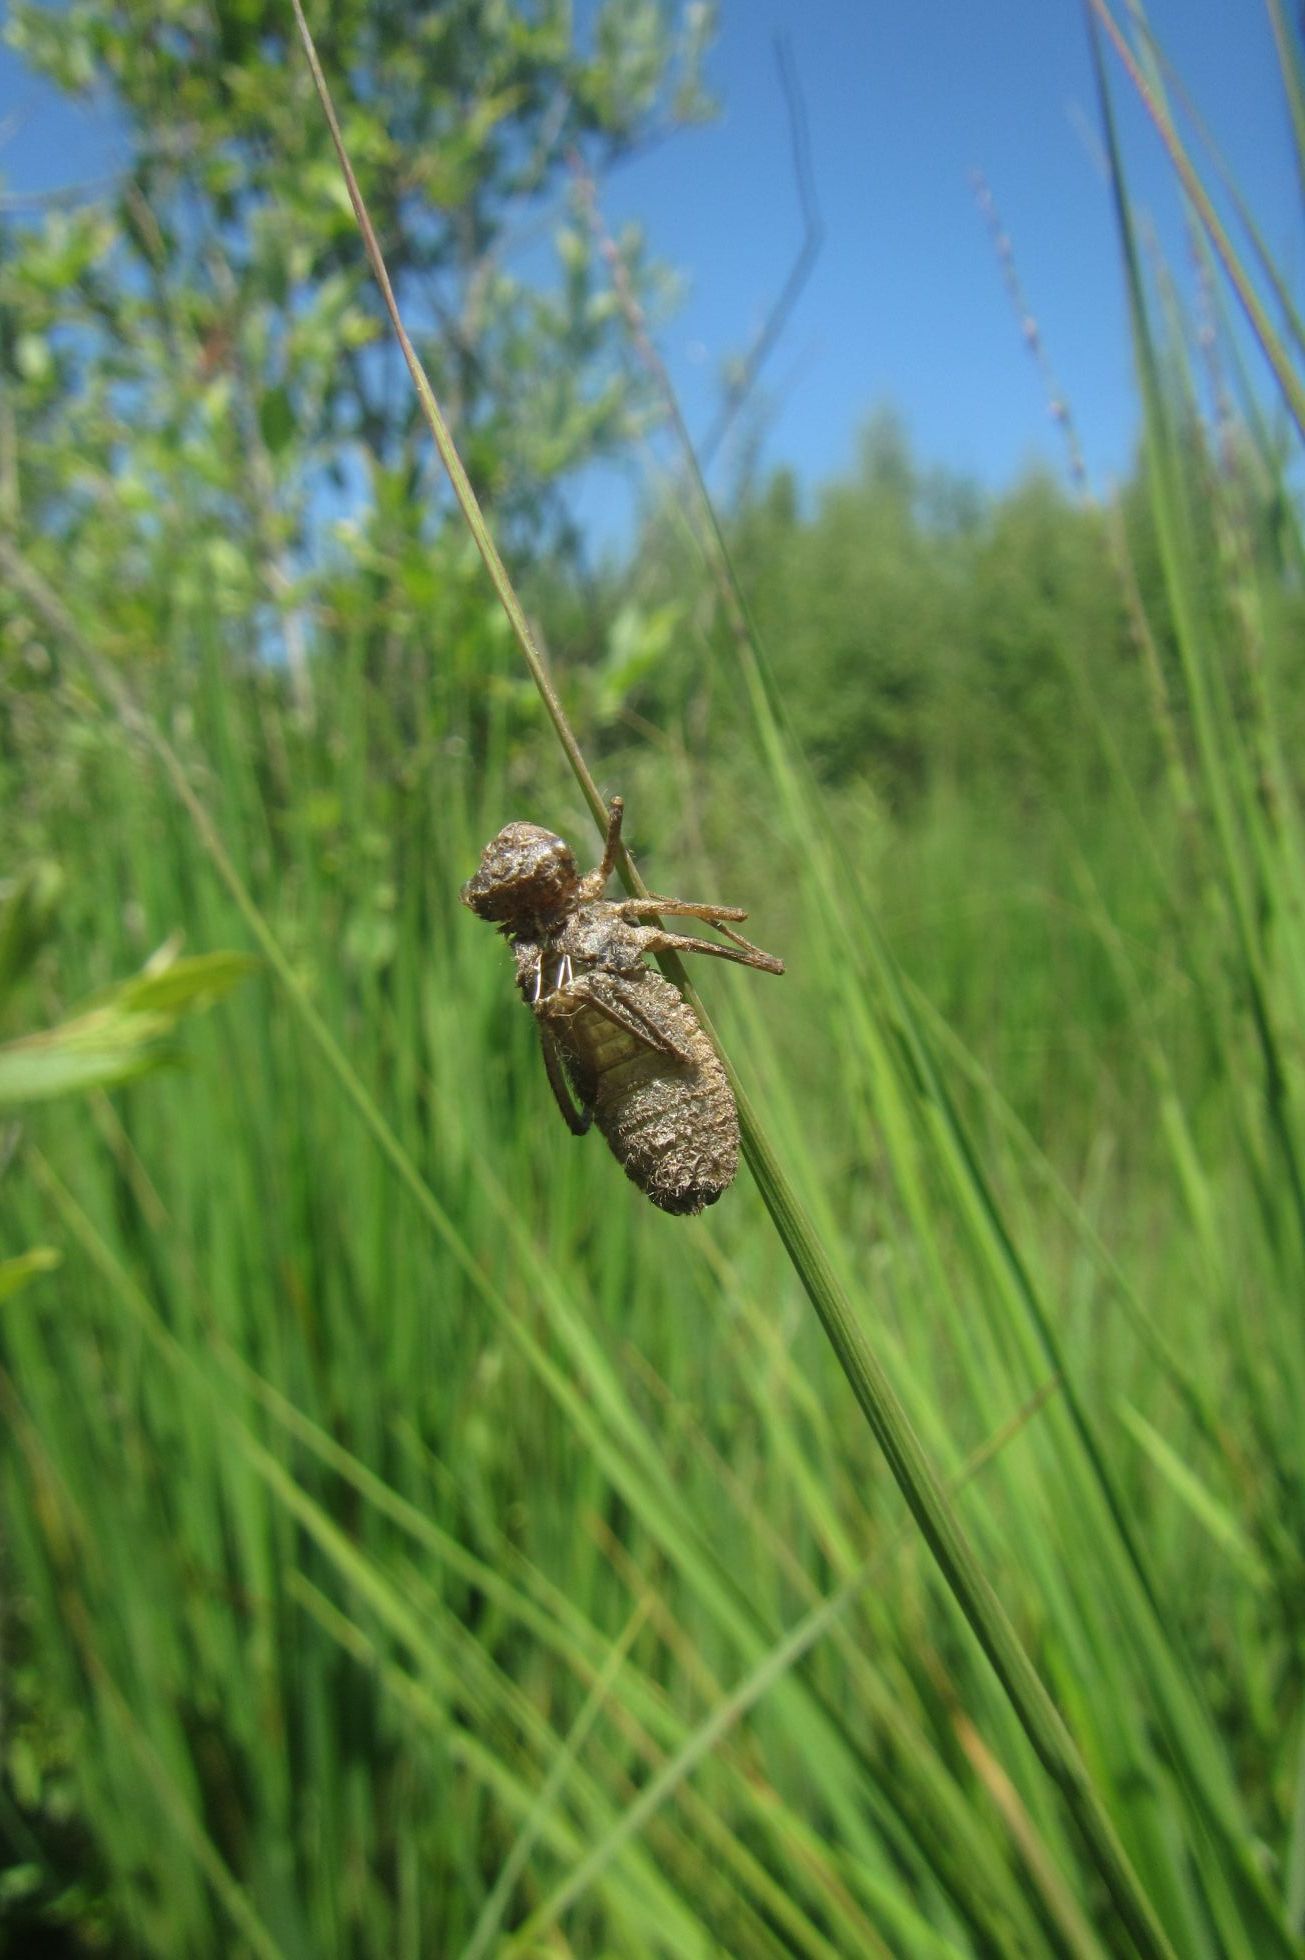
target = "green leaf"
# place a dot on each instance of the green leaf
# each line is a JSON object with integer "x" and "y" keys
{"x": 33, "y": 357}
{"x": 191, "y": 984}
{"x": 127, "y": 1031}
{"x": 17, "y": 1273}
{"x": 98, "y": 1053}
{"x": 26, "y": 913}
{"x": 1216, "y": 1519}
{"x": 276, "y": 419}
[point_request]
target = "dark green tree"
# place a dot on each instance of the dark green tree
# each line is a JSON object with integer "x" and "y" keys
{"x": 198, "y": 384}
{"x": 860, "y": 606}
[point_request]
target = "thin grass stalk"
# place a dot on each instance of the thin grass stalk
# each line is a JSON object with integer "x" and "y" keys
{"x": 514, "y": 1864}
{"x": 1268, "y": 266}
{"x": 973, "y": 1187}
{"x": 1169, "y": 508}
{"x": 1293, "y": 80}
{"x": 173, "y": 1803}
{"x": 1295, "y": 1860}
{"x": 560, "y": 1629}
{"x": 1185, "y": 1720}
{"x": 914, "y": 1474}
{"x": 730, "y": 1709}
{"x": 473, "y": 1677}
{"x": 628, "y": 1466}
{"x": 1116, "y": 542}
{"x": 1274, "y": 353}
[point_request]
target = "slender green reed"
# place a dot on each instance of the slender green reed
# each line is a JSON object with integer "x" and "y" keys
{"x": 421, "y": 1546}
{"x": 868, "y": 1379}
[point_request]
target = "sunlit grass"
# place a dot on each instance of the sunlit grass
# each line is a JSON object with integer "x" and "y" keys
{"x": 377, "y": 1548}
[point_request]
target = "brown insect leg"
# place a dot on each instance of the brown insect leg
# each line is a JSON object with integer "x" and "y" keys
{"x": 713, "y": 915}
{"x": 654, "y": 941}
{"x": 607, "y": 996}
{"x": 577, "y": 1120}
{"x": 747, "y": 944}
{"x": 612, "y": 844}
{"x": 594, "y": 883}
{"x": 679, "y": 908}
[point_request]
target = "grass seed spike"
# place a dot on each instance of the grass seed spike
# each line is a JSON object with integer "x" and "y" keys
{"x": 620, "y": 1045}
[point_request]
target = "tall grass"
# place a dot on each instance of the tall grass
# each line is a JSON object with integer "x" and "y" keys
{"x": 508, "y": 1570}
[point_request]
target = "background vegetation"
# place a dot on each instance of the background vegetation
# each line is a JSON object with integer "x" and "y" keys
{"x": 444, "y": 1553}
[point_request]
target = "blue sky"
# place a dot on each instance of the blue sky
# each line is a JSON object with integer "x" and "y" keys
{"x": 906, "y": 305}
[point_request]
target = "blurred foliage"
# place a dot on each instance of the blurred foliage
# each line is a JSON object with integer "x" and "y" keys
{"x": 204, "y": 419}
{"x": 925, "y": 633}
{"x": 129, "y": 1031}
{"x": 196, "y": 379}
{"x": 927, "y": 636}
{"x": 205, "y": 429}
{"x": 208, "y": 451}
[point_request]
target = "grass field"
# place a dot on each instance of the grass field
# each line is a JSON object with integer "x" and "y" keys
{"x": 421, "y": 1546}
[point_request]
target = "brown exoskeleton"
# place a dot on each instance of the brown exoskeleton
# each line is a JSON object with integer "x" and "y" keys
{"x": 620, "y": 1045}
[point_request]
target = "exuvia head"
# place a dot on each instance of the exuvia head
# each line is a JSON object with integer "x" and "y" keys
{"x": 525, "y": 873}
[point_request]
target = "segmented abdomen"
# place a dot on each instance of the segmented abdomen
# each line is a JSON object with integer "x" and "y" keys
{"x": 671, "y": 1124}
